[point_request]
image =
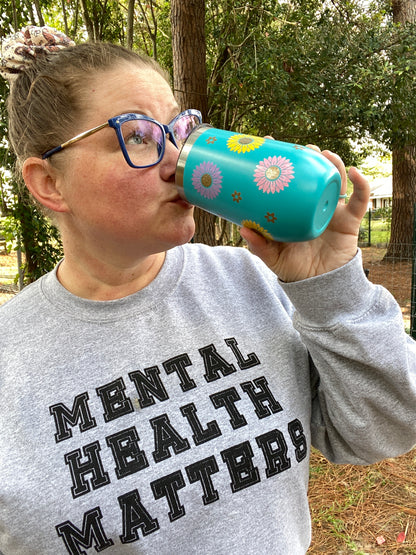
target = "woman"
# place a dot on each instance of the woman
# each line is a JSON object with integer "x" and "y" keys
{"x": 160, "y": 396}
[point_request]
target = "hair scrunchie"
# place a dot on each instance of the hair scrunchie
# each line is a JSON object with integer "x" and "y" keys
{"x": 21, "y": 49}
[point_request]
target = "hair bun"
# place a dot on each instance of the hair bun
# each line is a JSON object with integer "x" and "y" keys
{"x": 20, "y": 50}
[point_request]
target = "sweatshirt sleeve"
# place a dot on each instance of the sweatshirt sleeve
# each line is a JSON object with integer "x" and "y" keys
{"x": 364, "y": 402}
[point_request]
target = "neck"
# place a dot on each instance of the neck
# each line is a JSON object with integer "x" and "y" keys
{"x": 102, "y": 281}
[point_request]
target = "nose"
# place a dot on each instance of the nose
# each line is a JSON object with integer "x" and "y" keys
{"x": 171, "y": 138}
{"x": 170, "y": 158}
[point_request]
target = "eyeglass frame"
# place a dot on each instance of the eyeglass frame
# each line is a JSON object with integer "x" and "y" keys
{"x": 116, "y": 123}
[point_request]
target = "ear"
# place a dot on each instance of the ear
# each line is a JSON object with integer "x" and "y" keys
{"x": 42, "y": 180}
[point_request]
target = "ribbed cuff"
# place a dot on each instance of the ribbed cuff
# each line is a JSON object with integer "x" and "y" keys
{"x": 342, "y": 293}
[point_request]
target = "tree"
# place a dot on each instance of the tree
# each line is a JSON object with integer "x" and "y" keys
{"x": 272, "y": 73}
{"x": 404, "y": 151}
{"x": 266, "y": 67}
{"x": 190, "y": 80}
{"x": 22, "y": 223}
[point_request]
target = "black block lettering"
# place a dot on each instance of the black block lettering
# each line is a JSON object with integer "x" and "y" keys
{"x": 240, "y": 466}
{"x": 92, "y": 530}
{"x": 166, "y": 436}
{"x": 148, "y": 383}
{"x": 126, "y": 452}
{"x": 135, "y": 516}
{"x": 64, "y": 416}
{"x": 274, "y": 449}
{"x": 178, "y": 364}
{"x": 227, "y": 399}
{"x": 168, "y": 487}
{"x": 298, "y": 439}
{"x": 202, "y": 471}
{"x": 243, "y": 363}
{"x": 215, "y": 363}
{"x": 262, "y": 397}
{"x": 200, "y": 435}
{"x": 114, "y": 400}
{"x": 93, "y": 466}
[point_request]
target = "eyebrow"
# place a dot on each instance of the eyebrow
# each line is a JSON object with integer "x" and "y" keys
{"x": 175, "y": 112}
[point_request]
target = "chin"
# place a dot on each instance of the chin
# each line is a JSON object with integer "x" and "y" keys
{"x": 181, "y": 234}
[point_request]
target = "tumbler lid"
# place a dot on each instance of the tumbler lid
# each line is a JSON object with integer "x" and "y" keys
{"x": 189, "y": 143}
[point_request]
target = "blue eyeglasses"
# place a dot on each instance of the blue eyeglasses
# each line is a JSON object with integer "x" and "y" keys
{"x": 142, "y": 139}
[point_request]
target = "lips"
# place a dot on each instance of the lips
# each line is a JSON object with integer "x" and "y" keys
{"x": 182, "y": 202}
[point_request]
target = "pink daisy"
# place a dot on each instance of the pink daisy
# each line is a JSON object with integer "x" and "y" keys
{"x": 273, "y": 174}
{"x": 207, "y": 179}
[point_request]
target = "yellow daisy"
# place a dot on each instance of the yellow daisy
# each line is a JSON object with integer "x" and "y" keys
{"x": 244, "y": 143}
{"x": 256, "y": 227}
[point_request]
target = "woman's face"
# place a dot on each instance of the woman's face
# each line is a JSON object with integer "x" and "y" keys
{"x": 110, "y": 206}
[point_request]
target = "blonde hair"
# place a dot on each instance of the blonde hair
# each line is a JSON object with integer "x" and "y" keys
{"x": 46, "y": 99}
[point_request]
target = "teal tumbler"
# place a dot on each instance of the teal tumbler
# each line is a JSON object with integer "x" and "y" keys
{"x": 285, "y": 192}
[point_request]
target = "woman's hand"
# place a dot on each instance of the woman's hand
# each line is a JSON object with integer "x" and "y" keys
{"x": 334, "y": 248}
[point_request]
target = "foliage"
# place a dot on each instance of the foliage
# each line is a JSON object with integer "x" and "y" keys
{"x": 375, "y": 227}
{"x": 306, "y": 72}
{"x": 26, "y": 228}
{"x": 23, "y": 226}
{"x": 328, "y": 72}
{"x": 383, "y": 213}
{"x": 6, "y": 156}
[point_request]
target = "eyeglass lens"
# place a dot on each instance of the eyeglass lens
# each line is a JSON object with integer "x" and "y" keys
{"x": 183, "y": 127}
{"x": 143, "y": 139}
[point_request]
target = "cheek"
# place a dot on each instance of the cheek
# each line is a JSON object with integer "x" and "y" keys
{"x": 128, "y": 197}
{"x": 108, "y": 185}
{"x": 130, "y": 188}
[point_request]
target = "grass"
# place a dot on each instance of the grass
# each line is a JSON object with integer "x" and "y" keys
{"x": 8, "y": 276}
{"x": 378, "y": 234}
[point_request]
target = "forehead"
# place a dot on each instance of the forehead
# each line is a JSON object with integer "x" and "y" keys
{"x": 129, "y": 88}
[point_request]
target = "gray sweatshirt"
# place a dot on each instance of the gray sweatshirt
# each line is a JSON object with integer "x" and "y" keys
{"x": 179, "y": 420}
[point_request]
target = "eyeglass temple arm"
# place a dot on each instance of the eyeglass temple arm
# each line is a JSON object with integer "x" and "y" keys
{"x": 74, "y": 140}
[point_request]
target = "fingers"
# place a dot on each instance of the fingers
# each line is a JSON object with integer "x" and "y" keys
{"x": 361, "y": 186}
{"x": 254, "y": 240}
{"x": 358, "y": 203}
{"x": 338, "y": 163}
{"x": 314, "y": 147}
{"x": 259, "y": 245}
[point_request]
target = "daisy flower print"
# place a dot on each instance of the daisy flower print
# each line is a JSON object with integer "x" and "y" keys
{"x": 273, "y": 174}
{"x": 257, "y": 227}
{"x": 207, "y": 179}
{"x": 244, "y": 143}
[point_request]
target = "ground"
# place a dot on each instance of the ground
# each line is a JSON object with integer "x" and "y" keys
{"x": 395, "y": 274}
{"x": 368, "y": 510}
{"x": 361, "y": 510}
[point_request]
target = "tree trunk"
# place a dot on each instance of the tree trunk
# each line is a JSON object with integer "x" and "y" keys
{"x": 190, "y": 81}
{"x": 404, "y": 167}
{"x": 66, "y": 29}
{"x": 130, "y": 24}
{"x": 404, "y": 11}
{"x": 39, "y": 13}
{"x": 88, "y": 22}
{"x": 150, "y": 29}
{"x": 404, "y": 198}
{"x": 15, "y": 25}
{"x": 189, "y": 53}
